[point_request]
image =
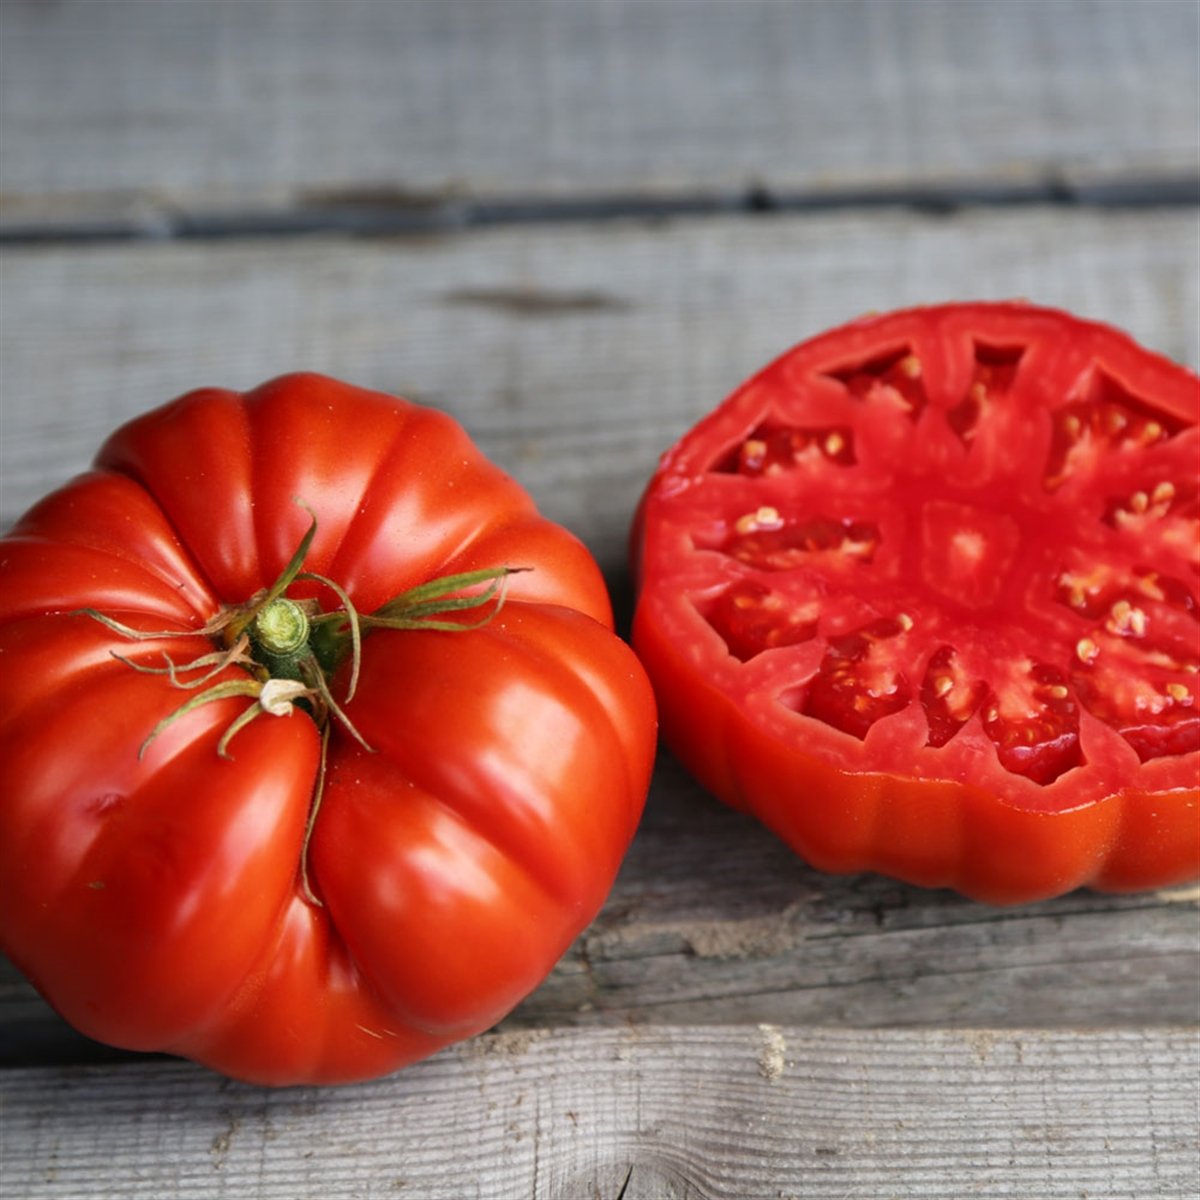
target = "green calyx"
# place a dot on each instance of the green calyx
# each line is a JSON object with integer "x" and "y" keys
{"x": 277, "y": 640}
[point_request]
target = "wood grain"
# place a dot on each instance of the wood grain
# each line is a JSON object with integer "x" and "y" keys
{"x": 151, "y": 117}
{"x": 713, "y": 920}
{"x": 670, "y": 1113}
{"x": 573, "y": 354}
{"x": 733, "y": 1025}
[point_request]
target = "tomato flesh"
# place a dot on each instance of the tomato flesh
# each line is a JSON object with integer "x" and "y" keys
{"x": 955, "y": 543}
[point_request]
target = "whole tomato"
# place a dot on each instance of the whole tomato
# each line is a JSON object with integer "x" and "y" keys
{"x": 317, "y": 748}
{"x": 922, "y": 596}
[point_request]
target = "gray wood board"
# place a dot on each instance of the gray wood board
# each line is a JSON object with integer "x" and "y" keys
{"x": 673, "y": 1113}
{"x": 574, "y": 354}
{"x": 140, "y": 116}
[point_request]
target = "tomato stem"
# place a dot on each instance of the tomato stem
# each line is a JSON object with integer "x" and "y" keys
{"x": 419, "y": 607}
{"x": 219, "y": 691}
{"x": 281, "y": 628}
{"x": 313, "y": 809}
{"x": 327, "y": 642}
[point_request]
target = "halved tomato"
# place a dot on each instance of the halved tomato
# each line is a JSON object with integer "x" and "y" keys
{"x": 922, "y": 595}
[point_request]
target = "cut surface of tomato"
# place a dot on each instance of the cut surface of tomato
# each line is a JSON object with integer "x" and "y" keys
{"x": 951, "y": 550}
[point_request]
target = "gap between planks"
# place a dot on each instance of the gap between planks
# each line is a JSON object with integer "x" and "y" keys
{"x": 396, "y": 212}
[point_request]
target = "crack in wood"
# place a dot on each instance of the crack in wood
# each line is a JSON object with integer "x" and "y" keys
{"x": 625, "y": 1184}
{"x": 392, "y": 212}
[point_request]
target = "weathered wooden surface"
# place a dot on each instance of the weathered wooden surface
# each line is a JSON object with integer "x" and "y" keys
{"x": 574, "y": 354}
{"x": 712, "y": 920}
{"x": 183, "y": 114}
{"x": 733, "y": 1024}
{"x": 671, "y": 1113}
{"x": 590, "y": 349}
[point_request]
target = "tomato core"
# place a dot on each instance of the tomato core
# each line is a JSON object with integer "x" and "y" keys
{"x": 966, "y": 552}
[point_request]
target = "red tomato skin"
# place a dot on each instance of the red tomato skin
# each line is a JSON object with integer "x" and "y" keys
{"x": 847, "y": 804}
{"x": 158, "y": 901}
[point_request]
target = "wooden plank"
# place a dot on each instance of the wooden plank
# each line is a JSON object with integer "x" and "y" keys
{"x": 713, "y": 920}
{"x": 574, "y": 354}
{"x": 146, "y": 116}
{"x": 669, "y": 1113}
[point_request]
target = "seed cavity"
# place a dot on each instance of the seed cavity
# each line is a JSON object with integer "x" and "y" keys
{"x": 766, "y": 540}
{"x": 891, "y": 381}
{"x": 1033, "y": 721}
{"x": 992, "y": 377}
{"x": 1126, "y": 621}
{"x": 949, "y": 696}
{"x": 1138, "y": 511}
{"x": 1102, "y": 413}
{"x": 762, "y": 518}
{"x": 775, "y": 449}
{"x": 859, "y": 681}
{"x": 751, "y": 617}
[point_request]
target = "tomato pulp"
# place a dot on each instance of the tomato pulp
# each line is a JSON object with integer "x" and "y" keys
{"x": 922, "y": 596}
{"x": 438, "y": 783}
